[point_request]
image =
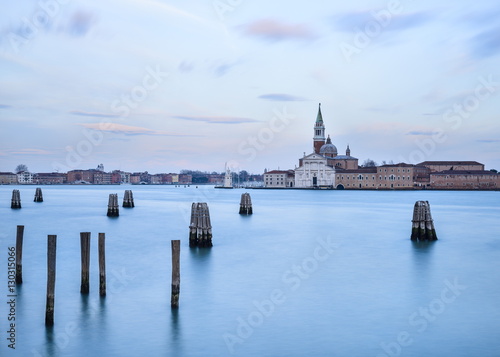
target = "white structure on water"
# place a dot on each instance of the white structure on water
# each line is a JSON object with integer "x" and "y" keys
{"x": 228, "y": 178}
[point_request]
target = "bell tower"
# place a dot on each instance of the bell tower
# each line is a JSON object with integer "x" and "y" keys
{"x": 319, "y": 132}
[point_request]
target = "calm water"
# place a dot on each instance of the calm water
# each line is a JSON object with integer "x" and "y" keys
{"x": 329, "y": 273}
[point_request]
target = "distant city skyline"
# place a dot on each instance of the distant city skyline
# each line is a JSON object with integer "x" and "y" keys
{"x": 162, "y": 86}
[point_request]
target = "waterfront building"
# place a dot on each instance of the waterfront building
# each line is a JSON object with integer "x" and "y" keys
{"x": 437, "y": 166}
{"x": 24, "y": 177}
{"x": 8, "y": 178}
{"x": 279, "y": 179}
{"x": 465, "y": 180}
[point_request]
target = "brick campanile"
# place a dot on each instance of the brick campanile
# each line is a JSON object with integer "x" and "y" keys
{"x": 319, "y": 132}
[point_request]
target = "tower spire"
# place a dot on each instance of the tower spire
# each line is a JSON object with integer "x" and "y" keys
{"x": 319, "y": 117}
{"x": 319, "y": 131}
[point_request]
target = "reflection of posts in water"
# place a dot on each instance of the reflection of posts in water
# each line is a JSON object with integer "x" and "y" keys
{"x": 176, "y": 275}
{"x": 422, "y": 223}
{"x": 51, "y": 279}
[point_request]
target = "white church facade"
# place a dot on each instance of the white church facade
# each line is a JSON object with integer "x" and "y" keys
{"x": 314, "y": 172}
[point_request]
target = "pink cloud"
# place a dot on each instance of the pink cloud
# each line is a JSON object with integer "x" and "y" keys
{"x": 273, "y": 30}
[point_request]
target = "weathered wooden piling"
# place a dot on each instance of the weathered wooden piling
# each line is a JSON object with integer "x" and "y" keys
{"x": 19, "y": 254}
{"x": 422, "y": 223}
{"x": 176, "y": 273}
{"x": 200, "y": 228}
{"x": 102, "y": 264}
{"x": 85, "y": 254}
{"x": 16, "y": 199}
{"x": 128, "y": 199}
{"x": 113, "y": 210}
{"x": 246, "y": 204}
{"x": 38, "y": 195}
{"x": 51, "y": 279}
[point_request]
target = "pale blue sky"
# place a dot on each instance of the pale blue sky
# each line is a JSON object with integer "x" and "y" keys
{"x": 169, "y": 85}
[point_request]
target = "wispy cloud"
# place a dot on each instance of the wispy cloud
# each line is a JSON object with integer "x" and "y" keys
{"x": 80, "y": 23}
{"x": 91, "y": 114}
{"x": 30, "y": 152}
{"x": 186, "y": 66}
{"x": 5, "y": 106}
{"x": 353, "y": 21}
{"x": 223, "y": 68}
{"x": 488, "y": 141}
{"x": 422, "y": 132}
{"x": 127, "y": 129}
{"x": 272, "y": 30}
{"x": 280, "y": 97}
{"x": 486, "y": 43}
{"x": 217, "y": 120}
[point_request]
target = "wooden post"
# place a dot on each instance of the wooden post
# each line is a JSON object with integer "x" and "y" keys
{"x": 113, "y": 210}
{"x": 19, "y": 254}
{"x": 38, "y": 195}
{"x": 85, "y": 253}
{"x": 200, "y": 228}
{"x": 245, "y": 204}
{"x": 176, "y": 273}
{"x": 102, "y": 264}
{"x": 422, "y": 223}
{"x": 128, "y": 199}
{"x": 16, "y": 199}
{"x": 51, "y": 279}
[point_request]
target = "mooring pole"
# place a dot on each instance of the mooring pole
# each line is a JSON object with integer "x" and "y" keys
{"x": 19, "y": 254}
{"x": 102, "y": 264}
{"x": 51, "y": 279}
{"x": 176, "y": 275}
{"x": 85, "y": 253}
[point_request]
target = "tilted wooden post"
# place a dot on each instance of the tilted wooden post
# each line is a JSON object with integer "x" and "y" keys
{"x": 19, "y": 254}
{"x": 176, "y": 274}
{"x": 51, "y": 279}
{"x": 102, "y": 264}
{"x": 85, "y": 253}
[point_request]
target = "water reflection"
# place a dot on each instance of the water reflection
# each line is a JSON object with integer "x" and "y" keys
{"x": 201, "y": 255}
{"x": 175, "y": 331}
{"x": 422, "y": 258}
{"x": 50, "y": 346}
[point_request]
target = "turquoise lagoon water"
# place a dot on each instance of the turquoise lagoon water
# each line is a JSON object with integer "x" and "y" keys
{"x": 310, "y": 273}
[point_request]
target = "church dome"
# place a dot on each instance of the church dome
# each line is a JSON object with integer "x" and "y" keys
{"x": 328, "y": 149}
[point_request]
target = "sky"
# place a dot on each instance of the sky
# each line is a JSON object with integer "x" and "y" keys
{"x": 161, "y": 86}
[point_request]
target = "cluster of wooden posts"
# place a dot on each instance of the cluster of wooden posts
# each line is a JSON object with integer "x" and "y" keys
{"x": 51, "y": 267}
{"x": 422, "y": 223}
